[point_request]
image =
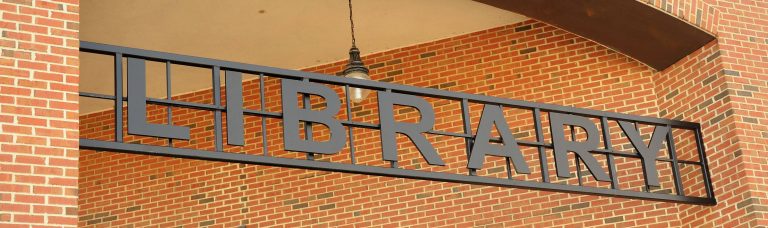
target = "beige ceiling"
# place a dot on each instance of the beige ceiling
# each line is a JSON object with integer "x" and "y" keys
{"x": 291, "y": 34}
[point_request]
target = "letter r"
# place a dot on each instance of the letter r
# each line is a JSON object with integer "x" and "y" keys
{"x": 562, "y": 147}
{"x": 414, "y": 131}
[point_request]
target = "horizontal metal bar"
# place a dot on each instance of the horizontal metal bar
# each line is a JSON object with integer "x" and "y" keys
{"x": 689, "y": 162}
{"x": 360, "y": 124}
{"x": 98, "y": 96}
{"x": 447, "y": 133}
{"x": 371, "y": 84}
{"x": 263, "y": 113}
{"x": 184, "y": 104}
{"x": 159, "y": 101}
{"x": 380, "y": 171}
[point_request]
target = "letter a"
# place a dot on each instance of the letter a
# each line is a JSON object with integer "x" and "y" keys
{"x": 493, "y": 115}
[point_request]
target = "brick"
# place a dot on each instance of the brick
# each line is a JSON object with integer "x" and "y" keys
{"x": 49, "y": 40}
{"x": 325, "y": 195}
{"x": 22, "y": 208}
{"x": 6, "y": 158}
{"x": 22, "y": 218}
{"x": 49, "y": 22}
{"x": 713, "y": 56}
{"x": 327, "y": 206}
{"x": 17, "y": 17}
{"x": 32, "y": 65}
{"x": 527, "y": 50}
{"x": 32, "y": 47}
{"x": 32, "y": 121}
{"x": 109, "y": 219}
{"x": 65, "y": 16}
{"x": 33, "y": 199}
{"x": 751, "y": 88}
{"x": 17, "y": 129}
{"x": 377, "y": 65}
{"x": 290, "y": 202}
{"x": 42, "y": 209}
{"x": 48, "y": 170}
{"x": 750, "y": 120}
{"x": 300, "y": 206}
{"x": 61, "y": 220}
{"x": 672, "y": 94}
{"x": 427, "y": 55}
{"x": 62, "y": 200}
{"x": 394, "y": 62}
{"x": 560, "y": 209}
{"x": 70, "y": 182}
{"x": 70, "y": 211}
{"x": 15, "y": 91}
{"x": 13, "y": 168}
{"x": 731, "y": 72}
{"x": 25, "y": 159}
{"x": 49, "y": 5}
{"x": 744, "y": 93}
{"x": 47, "y": 190}
{"x": 721, "y": 95}
{"x": 134, "y": 208}
{"x": 33, "y": 29}
{"x": 208, "y": 223}
{"x": 523, "y": 28}
{"x": 206, "y": 200}
{"x": 393, "y": 73}
{"x": 423, "y": 195}
{"x": 197, "y": 197}
{"x": 580, "y": 205}
{"x": 614, "y": 219}
{"x": 18, "y": 187}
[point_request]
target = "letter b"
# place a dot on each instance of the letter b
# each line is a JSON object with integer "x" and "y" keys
{"x": 292, "y": 115}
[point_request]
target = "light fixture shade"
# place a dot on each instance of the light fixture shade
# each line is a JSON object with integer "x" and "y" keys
{"x": 356, "y": 69}
{"x": 358, "y": 94}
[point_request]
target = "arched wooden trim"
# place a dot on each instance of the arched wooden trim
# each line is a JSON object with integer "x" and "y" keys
{"x": 699, "y": 13}
{"x": 634, "y": 28}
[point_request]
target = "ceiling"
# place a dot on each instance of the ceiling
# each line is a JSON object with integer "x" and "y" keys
{"x": 291, "y": 34}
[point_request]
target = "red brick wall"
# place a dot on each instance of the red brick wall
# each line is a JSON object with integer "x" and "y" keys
{"x": 529, "y": 61}
{"x": 38, "y": 113}
{"x": 693, "y": 90}
{"x": 743, "y": 47}
{"x": 730, "y": 100}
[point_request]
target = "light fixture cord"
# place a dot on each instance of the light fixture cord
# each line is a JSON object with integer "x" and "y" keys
{"x": 351, "y": 23}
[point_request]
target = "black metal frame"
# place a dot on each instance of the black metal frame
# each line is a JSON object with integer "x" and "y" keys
{"x": 235, "y": 69}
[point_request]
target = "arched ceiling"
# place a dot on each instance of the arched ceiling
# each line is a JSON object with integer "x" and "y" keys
{"x": 292, "y": 34}
{"x": 296, "y": 34}
{"x": 281, "y": 33}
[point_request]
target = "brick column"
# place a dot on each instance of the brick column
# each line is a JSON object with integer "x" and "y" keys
{"x": 39, "y": 113}
{"x": 724, "y": 86}
{"x": 743, "y": 41}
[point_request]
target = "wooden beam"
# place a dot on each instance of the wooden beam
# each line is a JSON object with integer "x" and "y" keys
{"x": 628, "y": 26}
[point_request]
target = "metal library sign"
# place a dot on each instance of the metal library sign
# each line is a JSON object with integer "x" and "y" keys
{"x": 478, "y": 144}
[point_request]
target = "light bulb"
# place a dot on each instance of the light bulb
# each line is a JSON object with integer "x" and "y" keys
{"x": 358, "y": 94}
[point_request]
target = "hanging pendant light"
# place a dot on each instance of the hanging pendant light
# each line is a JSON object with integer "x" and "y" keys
{"x": 355, "y": 68}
